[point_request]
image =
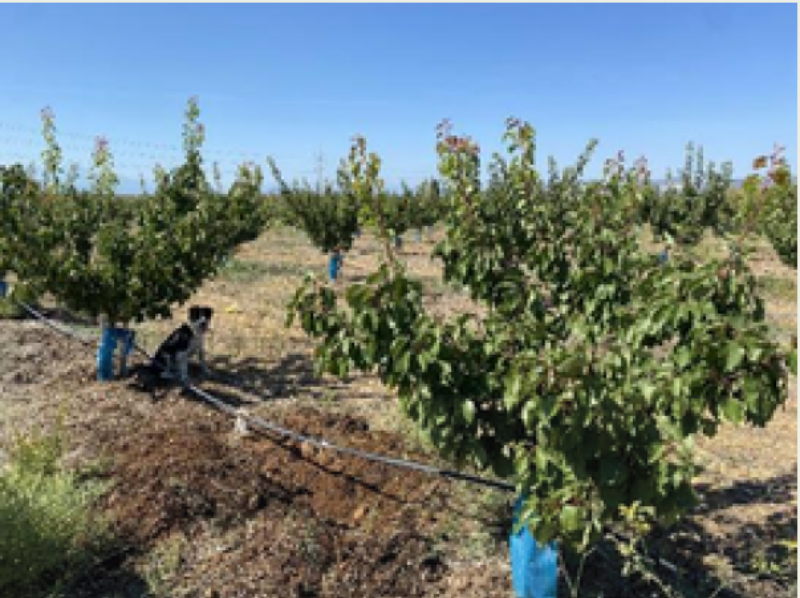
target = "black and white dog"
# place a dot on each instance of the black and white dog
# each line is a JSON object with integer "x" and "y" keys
{"x": 173, "y": 355}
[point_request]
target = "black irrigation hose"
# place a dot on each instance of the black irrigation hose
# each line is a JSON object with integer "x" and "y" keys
{"x": 266, "y": 426}
{"x": 52, "y": 325}
{"x": 322, "y": 443}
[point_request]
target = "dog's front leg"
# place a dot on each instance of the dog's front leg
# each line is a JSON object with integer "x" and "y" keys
{"x": 166, "y": 367}
{"x": 201, "y": 355}
{"x": 183, "y": 367}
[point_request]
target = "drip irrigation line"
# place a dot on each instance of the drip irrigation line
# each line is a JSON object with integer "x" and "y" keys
{"x": 322, "y": 443}
{"x": 47, "y": 322}
{"x": 265, "y": 426}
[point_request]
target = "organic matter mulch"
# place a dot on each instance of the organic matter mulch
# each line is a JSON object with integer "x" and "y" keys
{"x": 307, "y": 522}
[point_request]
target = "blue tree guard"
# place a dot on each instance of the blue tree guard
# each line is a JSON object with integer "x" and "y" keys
{"x": 398, "y": 241}
{"x": 419, "y": 235}
{"x": 3, "y": 288}
{"x": 105, "y": 354}
{"x": 127, "y": 337}
{"x": 108, "y": 346}
{"x": 534, "y": 567}
{"x": 334, "y": 266}
{"x": 663, "y": 257}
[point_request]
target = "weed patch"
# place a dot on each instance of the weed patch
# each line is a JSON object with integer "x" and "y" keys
{"x": 49, "y": 533}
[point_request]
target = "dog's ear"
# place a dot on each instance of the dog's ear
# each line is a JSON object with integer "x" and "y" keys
{"x": 208, "y": 312}
{"x": 195, "y": 313}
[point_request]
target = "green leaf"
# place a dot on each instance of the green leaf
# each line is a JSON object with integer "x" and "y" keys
{"x": 468, "y": 409}
{"x": 512, "y": 396}
{"x": 542, "y": 459}
{"x": 648, "y": 390}
{"x": 571, "y": 518}
{"x": 733, "y": 410}
{"x": 402, "y": 364}
{"x": 683, "y": 357}
{"x": 529, "y": 415}
{"x": 734, "y": 354}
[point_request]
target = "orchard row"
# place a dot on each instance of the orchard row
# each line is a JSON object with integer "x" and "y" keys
{"x": 594, "y": 364}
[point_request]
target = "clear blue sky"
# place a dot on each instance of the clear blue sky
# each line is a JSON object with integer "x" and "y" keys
{"x": 292, "y": 81}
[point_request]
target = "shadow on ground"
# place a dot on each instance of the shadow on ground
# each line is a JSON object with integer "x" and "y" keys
{"x": 110, "y": 576}
{"x": 292, "y": 375}
{"x": 686, "y": 557}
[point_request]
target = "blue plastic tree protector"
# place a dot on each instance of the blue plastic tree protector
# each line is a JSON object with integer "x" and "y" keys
{"x": 3, "y": 288}
{"x": 334, "y": 265}
{"x": 419, "y": 235}
{"x": 127, "y": 337}
{"x": 534, "y": 567}
{"x": 398, "y": 241}
{"x": 663, "y": 256}
{"x": 108, "y": 346}
{"x": 105, "y": 354}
